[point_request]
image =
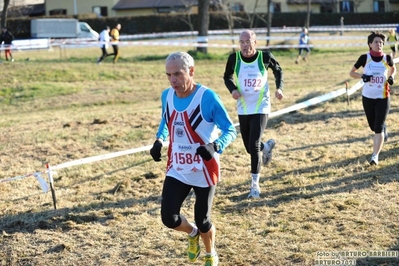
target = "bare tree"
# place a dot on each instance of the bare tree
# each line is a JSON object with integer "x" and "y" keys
{"x": 4, "y": 13}
{"x": 203, "y": 24}
{"x": 308, "y": 14}
{"x": 269, "y": 21}
{"x": 188, "y": 11}
{"x": 253, "y": 15}
{"x": 357, "y": 3}
{"x": 229, "y": 18}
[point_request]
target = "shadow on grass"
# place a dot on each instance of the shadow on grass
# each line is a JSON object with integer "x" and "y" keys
{"x": 66, "y": 218}
{"x": 369, "y": 261}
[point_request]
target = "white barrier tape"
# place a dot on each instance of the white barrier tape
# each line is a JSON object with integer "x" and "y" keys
{"x": 309, "y": 102}
{"x": 42, "y": 183}
{"x": 18, "y": 177}
{"x": 37, "y": 175}
{"x": 27, "y": 44}
{"x": 367, "y": 27}
{"x": 195, "y": 44}
{"x": 102, "y": 157}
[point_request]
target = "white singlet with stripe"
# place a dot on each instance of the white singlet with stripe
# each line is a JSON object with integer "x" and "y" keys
{"x": 251, "y": 80}
{"x": 377, "y": 87}
{"x": 188, "y": 129}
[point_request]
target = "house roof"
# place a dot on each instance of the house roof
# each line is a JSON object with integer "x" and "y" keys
{"x": 139, "y": 4}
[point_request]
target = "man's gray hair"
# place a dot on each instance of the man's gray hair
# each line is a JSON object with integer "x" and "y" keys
{"x": 186, "y": 59}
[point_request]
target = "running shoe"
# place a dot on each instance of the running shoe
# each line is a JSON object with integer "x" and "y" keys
{"x": 194, "y": 248}
{"x": 267, "y": 151}
{"x": 211, "y": 260}
{"x": 254, "y": 193}
{"x": 374, "y": 160}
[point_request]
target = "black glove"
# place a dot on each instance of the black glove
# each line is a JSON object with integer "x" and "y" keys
{"x": 156, "y": 151}
{"x": 390, "y": 80}
{"x": 206, "y": 151}
{"x": 366, "y": 78}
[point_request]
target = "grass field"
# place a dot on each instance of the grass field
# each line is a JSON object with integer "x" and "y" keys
{"x": 319, "y": 194}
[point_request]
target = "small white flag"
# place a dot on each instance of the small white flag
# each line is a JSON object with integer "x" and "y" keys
{"x": 42, "y": 182}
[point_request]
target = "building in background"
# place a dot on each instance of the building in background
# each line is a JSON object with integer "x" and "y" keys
{"x": 115, "y": 8}
{"x": 151, "y": 7}
{"x": 101, "y": 8}
{"x": 316, "y": 6}
{"x": 118, "y": 8}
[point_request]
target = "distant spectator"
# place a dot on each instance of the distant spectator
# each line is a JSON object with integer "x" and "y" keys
{"x": 114, "y": 41}
{"x": 303, "y": 45}
{"x": 104, "y": 42}
{"x": 7, "y": 37}
{"x": 393, "y": 42}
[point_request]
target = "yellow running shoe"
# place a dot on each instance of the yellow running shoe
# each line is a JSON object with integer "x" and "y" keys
{"x": 194, "y": 248}
{"x": 212, "y": 260}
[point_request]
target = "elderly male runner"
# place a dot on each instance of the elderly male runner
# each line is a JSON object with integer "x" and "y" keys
{"x": 245, "y": 77}
{"x": 191, "y": 117}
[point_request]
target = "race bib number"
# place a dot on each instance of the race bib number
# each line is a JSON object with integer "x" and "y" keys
{"x": 185, "y": 161}
{"x": 252, "y": 82}
{"x": 378, "y": 79}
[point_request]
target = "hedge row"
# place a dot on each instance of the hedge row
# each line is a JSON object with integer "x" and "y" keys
{"x": 168, "y": 23}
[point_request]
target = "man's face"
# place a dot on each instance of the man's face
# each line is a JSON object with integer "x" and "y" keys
{"x": 180, "y": 80}
{"x": 247, "y": 45}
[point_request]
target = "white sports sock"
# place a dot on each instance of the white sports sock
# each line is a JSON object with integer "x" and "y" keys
{"x": 213, "y": 253}
{"x": 194, "y": 232}
{"x": 255, "y": 180}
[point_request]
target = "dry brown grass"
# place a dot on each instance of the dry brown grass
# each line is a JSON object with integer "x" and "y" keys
{"x": 318, "y": 194}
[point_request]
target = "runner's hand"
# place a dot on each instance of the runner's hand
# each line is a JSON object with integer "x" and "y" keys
{"x": 390, "y": 80}
{"x": 206, "y": 151}
{"x": 366, "y": 78}
{"x": 156, "y": 151}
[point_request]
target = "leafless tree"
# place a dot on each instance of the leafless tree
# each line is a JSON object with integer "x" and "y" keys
{"x": 4, "y": 13}
{"x": 188, "y": 8}
{"x": 225, "y": 8}
{"x": 357, "y": 3}
{"x": 253, "y": 14}
{"x": 203, "y": 23}
{"x": 308, "y": 14}
{"x": 269, "y": 21}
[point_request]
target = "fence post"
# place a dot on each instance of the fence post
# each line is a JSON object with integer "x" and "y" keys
{"x": 50, "y": 178}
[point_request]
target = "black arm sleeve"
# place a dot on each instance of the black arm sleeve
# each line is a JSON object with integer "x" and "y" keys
{"x": 361, "y": 62}
{"x": 390, "y": 60}
{"x": 270, "y": 62}
{"x": 228, "y": 76}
